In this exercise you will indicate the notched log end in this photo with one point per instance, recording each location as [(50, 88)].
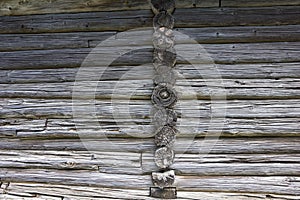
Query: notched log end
[(165, 193)]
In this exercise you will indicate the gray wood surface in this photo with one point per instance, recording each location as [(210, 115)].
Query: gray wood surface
[(21, 191), (14, 7), (142, 163), (43, 149), (124, 20), (274, 184), (242, 145), (213, 35), (270, 71), (196, 88), (219, 53), (255, 3), (53, 118)]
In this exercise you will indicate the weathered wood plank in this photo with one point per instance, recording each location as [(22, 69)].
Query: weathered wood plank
[(121, 162), (20, 109), (243, 34), (14, 7), (187, 90), (124, 20), (133, 163), (282, 184), (10, 42), (219, 53), (240, 71), (268, 145), (258, 3), (53, 118), (259, 184), (39, 191), (289, 33), (193, 164), (188, 127)]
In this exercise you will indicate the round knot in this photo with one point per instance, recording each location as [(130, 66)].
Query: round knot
[(164, 96)]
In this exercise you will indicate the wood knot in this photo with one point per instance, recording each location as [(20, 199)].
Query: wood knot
[(164, 96)]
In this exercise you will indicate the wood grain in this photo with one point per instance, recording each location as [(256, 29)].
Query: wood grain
[(46, 153), (257, 145), (267, 71), (142, 164), (125, 20), (20, 191), (213, 35), (274, 184), (29, 118), (14, 7), (258, 3), (187, 90), (236, 53)]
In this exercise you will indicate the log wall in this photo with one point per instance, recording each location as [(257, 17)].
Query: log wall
[(255, 46)]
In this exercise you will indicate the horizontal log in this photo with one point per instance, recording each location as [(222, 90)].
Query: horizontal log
[(53, 118), (289, 33), (141, 164), (223, 165), (240, 71), (282, 184), (140, 110), (218, 53), (14, 7), (11, 42), (20, 191), (268, 145), (257, 3), (142, 89), (106, 162), (187, 128), (259, 184), (125, 20)]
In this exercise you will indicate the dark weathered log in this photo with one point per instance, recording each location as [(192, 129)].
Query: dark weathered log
[(11, 42), (124, 20), (256, 3), (218, 53), (14, 7), (290, 33)]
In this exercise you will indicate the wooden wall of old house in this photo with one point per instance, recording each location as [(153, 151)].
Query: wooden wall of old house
[(255, 46)]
